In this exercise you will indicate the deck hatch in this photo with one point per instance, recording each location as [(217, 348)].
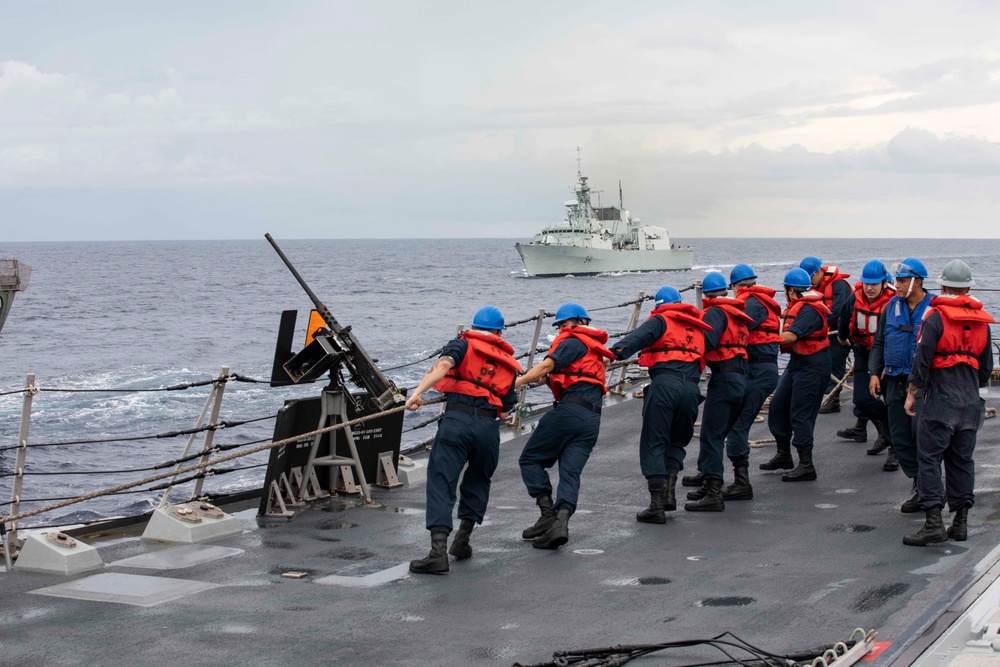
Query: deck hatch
[(134, 589), (176, 558)]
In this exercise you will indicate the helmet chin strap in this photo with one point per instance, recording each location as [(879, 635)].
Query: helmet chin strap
[(909, 288)]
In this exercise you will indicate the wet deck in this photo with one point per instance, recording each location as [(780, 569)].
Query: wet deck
[(798, 566)]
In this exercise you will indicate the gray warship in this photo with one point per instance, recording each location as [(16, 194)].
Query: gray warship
[(592, 240)]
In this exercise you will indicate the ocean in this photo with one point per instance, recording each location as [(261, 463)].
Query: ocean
[(156, 313)]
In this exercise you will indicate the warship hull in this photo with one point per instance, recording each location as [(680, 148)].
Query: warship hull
[(545, 260)]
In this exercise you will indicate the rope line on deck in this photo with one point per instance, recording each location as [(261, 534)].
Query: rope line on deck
[(4, 521), (158, 436)]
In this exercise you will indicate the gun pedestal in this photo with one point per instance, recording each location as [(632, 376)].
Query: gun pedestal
[(333, 402)]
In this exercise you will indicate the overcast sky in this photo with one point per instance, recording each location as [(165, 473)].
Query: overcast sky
[(226, 119)]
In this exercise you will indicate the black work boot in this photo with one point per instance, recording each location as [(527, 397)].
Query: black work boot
[(857, 433), (830, 405), (698, 493), (740, 489), (805, 472), (547, 518), (670, 500), (557, 534), (460, 547), (912, 505), (654, 513), (782, 460), (692, 480), (932, 533), (880, 442), (891, 462), (959, 528), (437, 560), (712, 500)]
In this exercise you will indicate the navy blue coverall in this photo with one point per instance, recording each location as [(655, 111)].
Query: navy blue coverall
[(866, 406), (795, 404), (838, 353), (762, 378), (461, 439), (565, 435), (669, 405), (899, 348), (723, 400), (949, 419)]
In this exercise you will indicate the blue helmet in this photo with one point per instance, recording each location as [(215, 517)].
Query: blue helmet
[(571, 311), (714, 282), (797, 278), (488, 317), (874, 272), (667, 294), (741, 272), (811, 264), (911, 267)]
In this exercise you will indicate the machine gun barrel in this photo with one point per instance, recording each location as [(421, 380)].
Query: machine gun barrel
[(362, 367)]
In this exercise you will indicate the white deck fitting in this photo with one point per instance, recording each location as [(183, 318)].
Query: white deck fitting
[(164, 527), (368, 574), (39, 554), (412, 474), (176, 558), (134, 589)]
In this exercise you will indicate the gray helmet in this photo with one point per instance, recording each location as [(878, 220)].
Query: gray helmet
[(956, 273)]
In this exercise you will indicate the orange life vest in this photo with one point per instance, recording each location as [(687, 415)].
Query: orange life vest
[(864, 323), (768, 330), (589, 367), (733, 341), (488, 369), (965, 325), (684, 339), (817, 340), (831, 274)]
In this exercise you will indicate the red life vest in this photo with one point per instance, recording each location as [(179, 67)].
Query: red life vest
[(733, 341), (488, 369), (864, 323), (817, 340), (965, 325), (684, 339), (589, 367), (831, 274), (768, 330)]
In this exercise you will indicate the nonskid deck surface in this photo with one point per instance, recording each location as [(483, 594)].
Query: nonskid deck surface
[(799, 566)]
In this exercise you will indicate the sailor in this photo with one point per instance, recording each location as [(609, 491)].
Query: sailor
[(575, 366), (833, 285), (792, 415), (726, 355), (954, 358), (476, 372), (672, 344), (889, 365), (762, 373), (858, 324)]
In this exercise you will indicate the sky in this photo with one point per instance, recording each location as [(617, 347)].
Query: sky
[(403, 118)]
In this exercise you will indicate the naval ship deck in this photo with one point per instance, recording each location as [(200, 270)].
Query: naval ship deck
[(799, 566)]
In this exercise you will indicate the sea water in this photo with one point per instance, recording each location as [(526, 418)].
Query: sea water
[(153, 314)]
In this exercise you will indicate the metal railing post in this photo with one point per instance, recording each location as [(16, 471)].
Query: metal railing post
[(218, 389), (539, 318), (629, 329), (187, 447), (22, 451), (698, 298)]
